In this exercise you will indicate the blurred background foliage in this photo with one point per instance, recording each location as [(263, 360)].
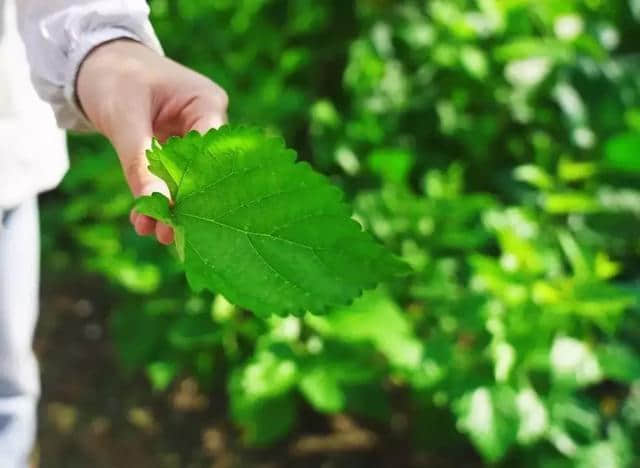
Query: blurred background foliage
[(493, 144)]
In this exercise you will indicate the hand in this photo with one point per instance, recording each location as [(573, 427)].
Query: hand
[(131, 94)]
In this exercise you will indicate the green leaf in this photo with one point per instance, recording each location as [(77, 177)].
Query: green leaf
[(266, 421), (392, 165), (261, 398), (534, 175), (573, 362), (375, 318), (267, 375), (572, 171), (622, 152), (617, 451), (139, 333), (569, 202), (322, 390), (162, 373), (155, 206), (619, 362), (490, 418), (533, 416), (526, 48), (192, 331), (269, 234), (325, 376)]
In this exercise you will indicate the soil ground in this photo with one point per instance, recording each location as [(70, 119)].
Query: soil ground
[(93, 416)]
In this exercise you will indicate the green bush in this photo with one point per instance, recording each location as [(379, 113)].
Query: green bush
[(493, 144)]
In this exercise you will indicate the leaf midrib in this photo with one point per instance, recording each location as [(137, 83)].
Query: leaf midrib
[(248, 235), (253, 233), (213, 184)]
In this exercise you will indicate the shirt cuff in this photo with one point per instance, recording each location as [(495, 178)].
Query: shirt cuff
[(59, 34)]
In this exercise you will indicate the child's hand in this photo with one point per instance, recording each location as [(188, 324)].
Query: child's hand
[(131, 94)]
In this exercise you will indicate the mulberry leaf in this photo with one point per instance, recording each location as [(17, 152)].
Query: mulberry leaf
[(267, 232)]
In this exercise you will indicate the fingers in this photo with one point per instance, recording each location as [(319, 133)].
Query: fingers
[(207, 122), (136, 171), (164, 233), (145, 226), (131, 141), (208, 111)]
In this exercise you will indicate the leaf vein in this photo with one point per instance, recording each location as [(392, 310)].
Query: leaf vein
[(213, 184), (299, 220), (272, 268), (184, 173), (265, 197), (245, 231)]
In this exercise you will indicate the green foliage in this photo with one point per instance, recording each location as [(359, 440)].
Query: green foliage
[(268, 234), (490, 418), (621, 152), (493, 144)]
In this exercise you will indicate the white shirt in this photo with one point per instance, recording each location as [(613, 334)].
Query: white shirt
[(47, 40)]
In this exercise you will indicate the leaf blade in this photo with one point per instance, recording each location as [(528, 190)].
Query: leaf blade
[(268, 233)]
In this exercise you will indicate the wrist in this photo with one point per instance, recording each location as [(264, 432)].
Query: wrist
[(102, 73)]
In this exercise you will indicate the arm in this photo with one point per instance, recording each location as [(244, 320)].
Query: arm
[(100, 66)]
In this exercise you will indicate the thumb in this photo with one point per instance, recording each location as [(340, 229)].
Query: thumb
[(131, 143), (131, 140)]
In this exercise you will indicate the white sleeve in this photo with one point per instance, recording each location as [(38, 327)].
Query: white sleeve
[(58, 35)]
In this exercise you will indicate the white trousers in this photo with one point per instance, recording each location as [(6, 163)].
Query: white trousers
[(19, 378)]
